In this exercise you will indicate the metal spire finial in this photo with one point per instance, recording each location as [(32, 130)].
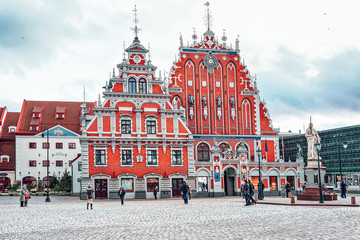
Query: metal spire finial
[(149, 51), (135, 28), (208, 17), (124, 49)]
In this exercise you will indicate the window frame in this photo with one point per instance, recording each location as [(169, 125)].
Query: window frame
[(142, 85), (126, 162), (70, 144), (201, 150), (154, 152), (151, 127), (45, 162), (57, 164), (34, 145), (46, 145), (33, 163), (122, 129), (132, 85), (173, 156), (59, 145), (103, 162)]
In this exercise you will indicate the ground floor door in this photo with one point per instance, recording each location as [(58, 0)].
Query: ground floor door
[(229, 182), (101, 188), (4, 182), (273, 183), (176, 186)]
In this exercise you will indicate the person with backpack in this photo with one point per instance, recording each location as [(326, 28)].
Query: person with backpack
[(185, 191), (89, 196), (121, 194)]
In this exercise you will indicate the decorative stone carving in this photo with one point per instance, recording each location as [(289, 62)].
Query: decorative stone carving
[(218, 103), (191, 100), (204, 102), (312, 137)]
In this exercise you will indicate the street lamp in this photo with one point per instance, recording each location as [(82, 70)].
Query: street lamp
[(318, 148), (44, 128), (260, 190), (345, 145)]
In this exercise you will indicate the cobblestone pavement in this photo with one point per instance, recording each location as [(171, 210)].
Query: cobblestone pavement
[(206, 218)]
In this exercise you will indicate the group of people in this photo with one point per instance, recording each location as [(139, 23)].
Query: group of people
[(247, 192)]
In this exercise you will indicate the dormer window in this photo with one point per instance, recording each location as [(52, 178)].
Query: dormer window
[(4, 158), (12, 129), (36, 113), (60, 112), (34, 128), (132, 85)]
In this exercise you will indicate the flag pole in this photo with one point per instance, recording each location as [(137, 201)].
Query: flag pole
[(282, 146)]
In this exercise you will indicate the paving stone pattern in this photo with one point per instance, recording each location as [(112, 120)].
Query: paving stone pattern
[(207, 218)]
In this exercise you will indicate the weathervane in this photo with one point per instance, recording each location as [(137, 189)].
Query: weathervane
[(135, 28), (208, 17)]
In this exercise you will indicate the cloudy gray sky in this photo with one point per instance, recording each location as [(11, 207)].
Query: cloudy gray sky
[(305, 54)]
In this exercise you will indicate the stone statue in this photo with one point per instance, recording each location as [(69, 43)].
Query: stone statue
[(312, 137), (218, 101), (204, 101), (191, 100), (299, 153), (232, 101)]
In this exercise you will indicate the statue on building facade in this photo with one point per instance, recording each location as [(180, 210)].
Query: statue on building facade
[(191, 100), (232, 102), (312, 137), (204, 101), (218, 102)]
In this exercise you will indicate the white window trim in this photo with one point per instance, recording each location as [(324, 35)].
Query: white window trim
[(127, 177), (132, 157), (126, 117), (106, 160), (150, 135), (5, 156), (182, 157), (12, 128), (157, 157)]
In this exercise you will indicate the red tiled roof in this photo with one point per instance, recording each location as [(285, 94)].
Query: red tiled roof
[(60, 109), (7, 148), (48, 115), (37, 109), (11, 119)]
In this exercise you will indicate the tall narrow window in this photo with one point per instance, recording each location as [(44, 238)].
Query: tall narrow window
[(126, 157), (59, 145), (142, 86), (151, 157), (151, 127), (132, 85), (100, 158), (203, 152), (246, 116), (125, 126)]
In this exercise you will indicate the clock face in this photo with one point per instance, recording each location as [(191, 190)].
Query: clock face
[(210, 61), (137, 59)]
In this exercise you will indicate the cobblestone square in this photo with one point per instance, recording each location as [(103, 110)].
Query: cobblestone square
[(206, 218)]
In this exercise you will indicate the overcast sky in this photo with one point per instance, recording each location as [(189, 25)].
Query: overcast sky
[(305, 54)]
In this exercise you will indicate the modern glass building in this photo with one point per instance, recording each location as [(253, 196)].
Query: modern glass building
[(340, 152)]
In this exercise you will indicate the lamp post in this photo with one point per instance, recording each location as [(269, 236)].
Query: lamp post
[(318, 148), (345, 145), (44, 128), (260, 190)]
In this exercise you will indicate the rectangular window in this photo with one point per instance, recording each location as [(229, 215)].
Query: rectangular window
[(32, 163), (151, 127), (126, 157), (36, 115), (32, 145), (59, 163), (100, 158), (46, 163), (4, 159), (128, 184), (33, 128), (80, 166), (151, 183), (125, 126), (59, 145), (46, 145), (72, 145), (151, 157), (60, 115), (176, 157)]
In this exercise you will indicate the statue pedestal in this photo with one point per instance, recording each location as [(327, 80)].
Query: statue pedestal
[(312, 172), (312, 194)]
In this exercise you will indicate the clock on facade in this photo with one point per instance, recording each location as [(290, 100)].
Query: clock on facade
[(210, 61)]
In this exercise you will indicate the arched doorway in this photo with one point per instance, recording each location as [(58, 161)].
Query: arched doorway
[(29, 181), (4, 182), (229, 182)]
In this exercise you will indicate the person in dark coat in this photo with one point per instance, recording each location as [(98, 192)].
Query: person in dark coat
[(185, 191), (89, 196), (121, 194), (288, 189), (155, 192), (343, 186), (251, 194), (247, 193)]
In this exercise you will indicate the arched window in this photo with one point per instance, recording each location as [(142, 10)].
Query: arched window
[(142, 85), (203, 152), (224, 146), (246, 116), (132, 85)]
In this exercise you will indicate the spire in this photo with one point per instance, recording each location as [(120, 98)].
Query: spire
[(99, 100), (149, 52), (124, 51), (135, 28), (208, 20)]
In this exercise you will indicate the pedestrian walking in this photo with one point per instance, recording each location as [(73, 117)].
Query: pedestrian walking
[(343, 186), (121, 194), (242, 189), (288, 189), (246, 193), (89, 196), (251, 195), (304, 186), (189, 192), (155, 192), (24, 196), (185, 191)]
